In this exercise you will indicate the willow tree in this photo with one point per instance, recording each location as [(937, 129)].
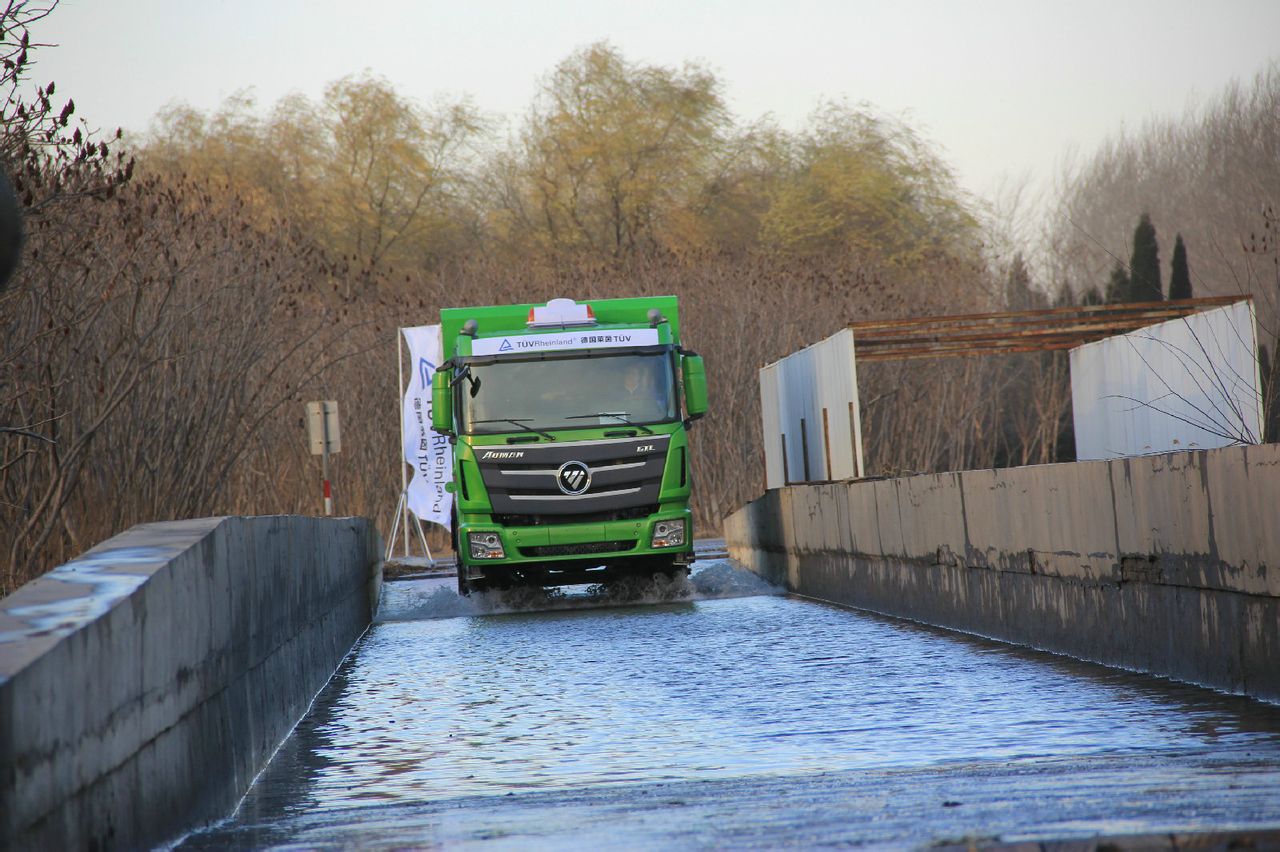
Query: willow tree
[(390, 169), (613, 155), (225, 147), (369, 174), (860, 181)]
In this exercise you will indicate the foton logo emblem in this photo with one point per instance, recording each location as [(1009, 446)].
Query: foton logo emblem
[(502, 454), (573, 477)]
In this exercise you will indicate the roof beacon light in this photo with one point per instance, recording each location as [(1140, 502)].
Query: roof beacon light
[(560, 313)]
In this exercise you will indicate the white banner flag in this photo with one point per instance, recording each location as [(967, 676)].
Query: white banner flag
[(428, 453)]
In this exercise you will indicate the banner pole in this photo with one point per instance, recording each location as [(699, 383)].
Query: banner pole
[(422, 537), (404, 477), (395, 528)]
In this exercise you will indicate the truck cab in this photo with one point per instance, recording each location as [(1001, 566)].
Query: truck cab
[(570, 426)]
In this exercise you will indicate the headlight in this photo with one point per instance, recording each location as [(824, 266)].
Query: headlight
[(668, 533), (485, 545)]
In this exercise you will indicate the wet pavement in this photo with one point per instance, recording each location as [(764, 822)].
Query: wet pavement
[(723, 713)]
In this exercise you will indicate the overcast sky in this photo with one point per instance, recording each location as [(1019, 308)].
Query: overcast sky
[(1001, 88)]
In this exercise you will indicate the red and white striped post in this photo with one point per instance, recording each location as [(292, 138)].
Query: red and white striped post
[(324, 464)]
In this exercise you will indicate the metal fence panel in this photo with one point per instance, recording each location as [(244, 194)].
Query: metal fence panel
[(810, 414), (1186, 384), (774, 472)]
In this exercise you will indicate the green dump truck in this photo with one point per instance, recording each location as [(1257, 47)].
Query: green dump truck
[(570, 424)]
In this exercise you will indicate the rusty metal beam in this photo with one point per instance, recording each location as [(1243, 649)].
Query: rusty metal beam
[(1181, 306), (1008, 332), (1009, 328), (1076, 330)]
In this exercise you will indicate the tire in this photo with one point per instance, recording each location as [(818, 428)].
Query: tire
[(453, 534), (467, 588), (464, 588)]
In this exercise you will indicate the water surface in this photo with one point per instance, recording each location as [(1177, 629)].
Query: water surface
[(596, 697)]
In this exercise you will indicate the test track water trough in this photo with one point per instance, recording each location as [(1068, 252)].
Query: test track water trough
[(145, 684)]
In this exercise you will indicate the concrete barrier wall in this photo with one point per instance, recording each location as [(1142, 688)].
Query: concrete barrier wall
[(1166, 564), (145, 684)]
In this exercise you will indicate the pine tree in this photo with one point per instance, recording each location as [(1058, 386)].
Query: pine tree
[(1118, 286), (1144, 266), (1180, 273), (1018, 293), (1270, 405)]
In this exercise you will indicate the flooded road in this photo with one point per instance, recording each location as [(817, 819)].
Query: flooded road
[(727, 714)]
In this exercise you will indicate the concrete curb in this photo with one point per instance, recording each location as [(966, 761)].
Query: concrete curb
[(144, 684), (1165, 564)]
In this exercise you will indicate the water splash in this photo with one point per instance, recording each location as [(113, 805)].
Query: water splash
[(724, 579), (425, 600)]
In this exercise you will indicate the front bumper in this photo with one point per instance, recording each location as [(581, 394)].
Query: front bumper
[(584, 543)]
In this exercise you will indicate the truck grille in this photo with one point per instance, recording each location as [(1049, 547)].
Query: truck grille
[(523, 482), (583, 549), (634, 513)]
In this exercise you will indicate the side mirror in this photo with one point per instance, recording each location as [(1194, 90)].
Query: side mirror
[(695, 386), (442, 402)]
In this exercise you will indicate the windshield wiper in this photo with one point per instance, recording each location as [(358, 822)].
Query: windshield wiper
[(621, 417), (522, 424)]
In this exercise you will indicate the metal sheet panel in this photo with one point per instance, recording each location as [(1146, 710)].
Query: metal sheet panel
[(1185, 384), (774, 473), (809, 404)]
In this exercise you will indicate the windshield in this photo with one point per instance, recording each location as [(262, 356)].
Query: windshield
[(608, 390)]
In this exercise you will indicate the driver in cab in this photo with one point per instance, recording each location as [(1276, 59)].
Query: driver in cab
[(639, 397)]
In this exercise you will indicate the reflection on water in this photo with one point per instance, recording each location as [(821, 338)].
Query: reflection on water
[(443, 707)]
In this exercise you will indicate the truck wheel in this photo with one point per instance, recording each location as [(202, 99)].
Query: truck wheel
[(464, 589), (453, 534), (663, 566)]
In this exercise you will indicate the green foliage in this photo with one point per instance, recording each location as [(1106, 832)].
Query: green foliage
[(1144, 266), (1180, 273)]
